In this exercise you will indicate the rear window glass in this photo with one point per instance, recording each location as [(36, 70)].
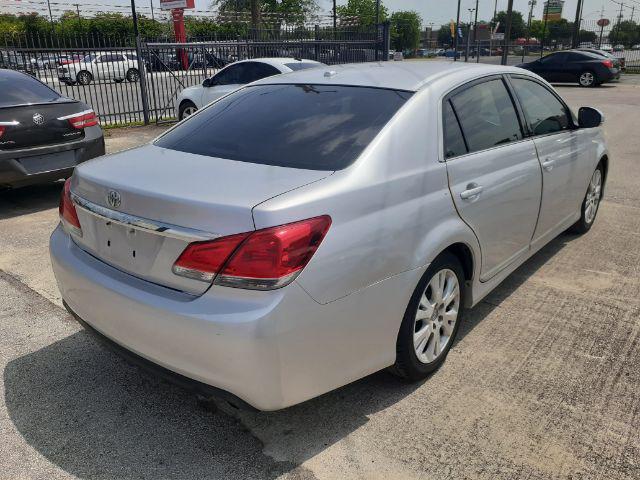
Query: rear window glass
[(302, 65), (18, 89), (317, 127)]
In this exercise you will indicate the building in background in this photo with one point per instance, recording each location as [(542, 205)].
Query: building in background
[(552, 10)]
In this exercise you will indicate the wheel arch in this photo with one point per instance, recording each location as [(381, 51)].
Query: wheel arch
[(604, 161), (465, 255)]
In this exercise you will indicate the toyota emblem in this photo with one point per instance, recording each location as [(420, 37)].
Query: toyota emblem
[(38, 119), (113, 199)]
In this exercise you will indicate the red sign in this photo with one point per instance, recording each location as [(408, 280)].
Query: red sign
[(604, 22), (170, 4)]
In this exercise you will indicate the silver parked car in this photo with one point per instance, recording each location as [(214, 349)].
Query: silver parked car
[(314, 227)]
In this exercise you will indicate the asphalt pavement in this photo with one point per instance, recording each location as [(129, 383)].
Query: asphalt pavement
[(542, 382)]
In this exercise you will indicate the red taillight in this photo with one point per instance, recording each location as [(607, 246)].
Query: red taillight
[(2, 129), (82, 121), (264, 259), (67, 210), (608, 63)]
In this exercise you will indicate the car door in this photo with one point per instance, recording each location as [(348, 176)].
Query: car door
[(494, 174), (560, 147), (104, 66), (575, 65), (551, 67)]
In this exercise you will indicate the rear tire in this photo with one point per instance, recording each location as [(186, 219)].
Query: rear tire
[(431, 321), (187, 108), (133, 75), (588, 79), (591, 203), (84, 78)]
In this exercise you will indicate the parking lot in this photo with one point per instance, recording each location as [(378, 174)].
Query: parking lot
[(542, 383)]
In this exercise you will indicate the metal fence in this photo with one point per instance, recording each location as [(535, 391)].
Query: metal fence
[(128, 83)]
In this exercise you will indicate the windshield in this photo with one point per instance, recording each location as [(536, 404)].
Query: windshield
[(317, 127)]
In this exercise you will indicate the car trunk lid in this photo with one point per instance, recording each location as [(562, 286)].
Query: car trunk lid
[(178, 198), (36, 125)]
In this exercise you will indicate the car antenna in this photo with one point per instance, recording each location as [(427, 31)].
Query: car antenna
[(297, 58)]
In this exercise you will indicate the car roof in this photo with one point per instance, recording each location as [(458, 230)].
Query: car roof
[(407, 75), (279, 61)]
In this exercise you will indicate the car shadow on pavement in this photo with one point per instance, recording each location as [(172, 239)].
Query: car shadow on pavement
[(26, 200), (94, 416)]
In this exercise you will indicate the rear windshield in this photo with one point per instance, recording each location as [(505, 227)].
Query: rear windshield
[(302, 65), (317, 127), (18, 89)]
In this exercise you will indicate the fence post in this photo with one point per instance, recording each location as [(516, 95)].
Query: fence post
[(386, 40), (141, 69), (317, 49)]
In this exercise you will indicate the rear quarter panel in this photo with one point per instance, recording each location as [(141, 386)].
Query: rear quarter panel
[(391, 210)]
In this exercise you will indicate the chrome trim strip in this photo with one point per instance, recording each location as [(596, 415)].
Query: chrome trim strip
[(84, 112), (139, 223), (9, 124)]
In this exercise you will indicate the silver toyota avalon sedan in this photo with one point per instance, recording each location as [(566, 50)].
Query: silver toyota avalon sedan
[(312, 228)]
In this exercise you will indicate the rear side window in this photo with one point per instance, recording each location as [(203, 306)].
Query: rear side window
[(302, 65), (19, 89), (487, 115), (544, 113), (317, 127), (255, 71), (453, 140)]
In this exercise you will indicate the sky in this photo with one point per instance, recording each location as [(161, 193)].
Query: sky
[(436, 11)]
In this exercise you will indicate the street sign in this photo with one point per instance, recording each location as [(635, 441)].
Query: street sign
[(171, 4), (604, 22), (497, 36)]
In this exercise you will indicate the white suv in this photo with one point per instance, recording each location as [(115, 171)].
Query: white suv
[(103, 65)]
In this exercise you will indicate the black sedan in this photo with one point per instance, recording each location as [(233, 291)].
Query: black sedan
[(43, 135), (588, 69)]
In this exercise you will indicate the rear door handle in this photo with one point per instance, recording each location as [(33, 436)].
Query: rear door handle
[(473, 190), (548, 164)]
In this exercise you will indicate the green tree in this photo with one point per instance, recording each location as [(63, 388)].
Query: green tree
[(518, 26), (291, 11), (363, 10), (405, 30)]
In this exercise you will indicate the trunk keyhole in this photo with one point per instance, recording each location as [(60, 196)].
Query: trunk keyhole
[(134, 254)]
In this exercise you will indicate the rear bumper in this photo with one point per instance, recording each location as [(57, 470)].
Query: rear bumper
[(271, 349), (14, 164)]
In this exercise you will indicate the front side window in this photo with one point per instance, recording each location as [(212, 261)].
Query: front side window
[(316, 127), (487, 115), (544, 113), (231, 75)]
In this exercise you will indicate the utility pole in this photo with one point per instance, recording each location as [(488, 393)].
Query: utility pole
[(77, 9), (335, 20), (377, 12), (50, 15), (141, 71), (617, 29), (152, 15), (633, 10), (475, 34), (507, 33), (455, 36), (575, 38), (601, 27)]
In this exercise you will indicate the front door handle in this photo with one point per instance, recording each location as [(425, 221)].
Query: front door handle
[(548, 164), (472, 191)]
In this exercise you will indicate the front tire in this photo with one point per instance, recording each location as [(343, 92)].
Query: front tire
[(591, 203), (187, 109), (431, 321), (587, 79)]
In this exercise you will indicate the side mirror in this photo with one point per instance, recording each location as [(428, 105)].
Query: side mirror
[(208, 82), (590, 117)]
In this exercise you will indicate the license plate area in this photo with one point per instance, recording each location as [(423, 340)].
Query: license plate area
[(131, 249), (49, 163)]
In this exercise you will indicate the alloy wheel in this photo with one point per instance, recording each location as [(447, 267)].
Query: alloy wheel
[(436, 316), (592, 200), (587, 79), (188, 111)]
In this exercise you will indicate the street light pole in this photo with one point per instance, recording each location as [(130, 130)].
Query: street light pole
[(575, 39), (455, 35), (466, 55), (475, 34), (544, 29)]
